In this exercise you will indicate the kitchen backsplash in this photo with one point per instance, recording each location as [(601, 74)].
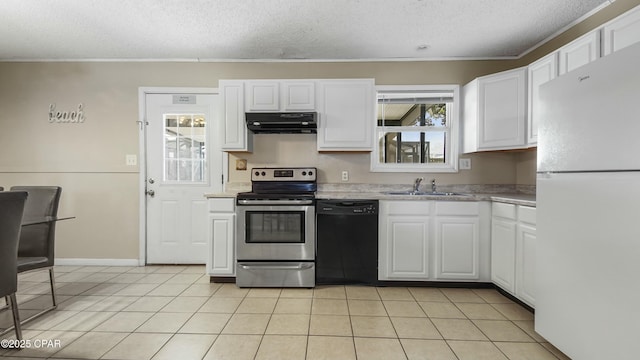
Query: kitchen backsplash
[(300, 150)]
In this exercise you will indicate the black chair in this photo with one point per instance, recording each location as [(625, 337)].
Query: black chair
[(11, 209), (36, 249)]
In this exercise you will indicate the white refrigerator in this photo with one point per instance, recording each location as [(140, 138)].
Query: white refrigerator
[(588, 210)]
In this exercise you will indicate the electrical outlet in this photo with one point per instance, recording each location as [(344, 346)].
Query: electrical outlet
[(345, 176), (465, 164), (131, 160)]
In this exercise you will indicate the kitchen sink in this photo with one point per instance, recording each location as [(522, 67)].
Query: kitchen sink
[(424, 193)]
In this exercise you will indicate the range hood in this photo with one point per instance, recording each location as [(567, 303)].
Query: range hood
[(282, 123)]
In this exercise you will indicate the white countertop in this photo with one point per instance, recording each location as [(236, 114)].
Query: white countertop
[(510, 198), (517, 199)]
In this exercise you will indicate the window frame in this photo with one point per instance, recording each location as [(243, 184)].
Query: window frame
[(451, 131)]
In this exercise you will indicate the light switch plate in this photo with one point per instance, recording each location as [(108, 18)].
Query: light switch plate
[(465, 164)]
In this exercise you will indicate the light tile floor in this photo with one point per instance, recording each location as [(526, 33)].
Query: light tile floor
[(173, 312)]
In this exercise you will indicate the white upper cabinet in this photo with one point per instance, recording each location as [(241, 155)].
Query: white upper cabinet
[(622, 32), (262, 95), (280, 95), (234, 133), (495, 111), (298, 95), (539, 72), (346, 115), (345, 109), (580, 52)]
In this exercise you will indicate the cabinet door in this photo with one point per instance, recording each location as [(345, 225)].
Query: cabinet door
[(503, 253), (405, 248), (346, 110), (526, 263), (221, 259), (502, 110), (234, 133), (540, 72), (457, 247), (263, 95), (298, 95), (580, 52), (622, 32)]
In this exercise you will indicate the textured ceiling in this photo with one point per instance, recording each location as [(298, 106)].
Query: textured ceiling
[(280, 29)]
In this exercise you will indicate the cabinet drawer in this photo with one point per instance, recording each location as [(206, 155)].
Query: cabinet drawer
[(527, 214), (457, 208), (222, 205), (407, 207), (504, 210)]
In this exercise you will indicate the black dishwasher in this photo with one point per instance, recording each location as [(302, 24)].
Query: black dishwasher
[(347, 242)]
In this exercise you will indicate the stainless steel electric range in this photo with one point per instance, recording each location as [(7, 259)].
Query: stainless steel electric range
[(276, 233)]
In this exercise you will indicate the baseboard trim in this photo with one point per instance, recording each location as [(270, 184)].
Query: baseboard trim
[(96, 262)]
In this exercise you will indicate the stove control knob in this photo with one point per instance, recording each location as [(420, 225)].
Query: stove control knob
[(263, 173), (310, 173), (257, 173), (304, 173)]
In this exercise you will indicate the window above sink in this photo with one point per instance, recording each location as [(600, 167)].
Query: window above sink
[(416, 129)]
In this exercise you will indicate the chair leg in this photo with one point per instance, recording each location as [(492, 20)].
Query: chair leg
[(6, 300), (53, 299), (53, 287), (16, 316)]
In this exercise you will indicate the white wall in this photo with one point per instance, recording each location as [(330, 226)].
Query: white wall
[(88, 159)]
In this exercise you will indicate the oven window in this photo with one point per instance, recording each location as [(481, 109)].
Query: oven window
[(275, 227)]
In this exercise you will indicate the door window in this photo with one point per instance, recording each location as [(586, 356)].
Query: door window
[(184, 148)]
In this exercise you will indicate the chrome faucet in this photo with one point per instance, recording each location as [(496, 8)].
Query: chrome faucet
[(433, 185), (416, 184)]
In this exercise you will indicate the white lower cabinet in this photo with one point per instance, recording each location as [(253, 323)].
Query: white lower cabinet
[(222, 223), (513, 250), (404, 228), (526, 263), (457, 242), (503, 253), (434, 240)]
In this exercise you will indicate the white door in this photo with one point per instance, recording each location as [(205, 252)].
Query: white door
[(184, 161)]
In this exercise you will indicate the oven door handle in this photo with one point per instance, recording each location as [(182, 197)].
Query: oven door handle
[(274, 202), (277, 267)]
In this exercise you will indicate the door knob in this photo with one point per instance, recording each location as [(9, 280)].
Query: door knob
[(151, 193), (151, 181)]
